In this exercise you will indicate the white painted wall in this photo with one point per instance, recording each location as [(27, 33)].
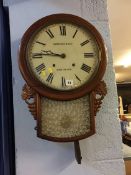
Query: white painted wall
[(101, 152)]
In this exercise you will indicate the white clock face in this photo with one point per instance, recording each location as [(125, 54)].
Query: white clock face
[(63, 56)]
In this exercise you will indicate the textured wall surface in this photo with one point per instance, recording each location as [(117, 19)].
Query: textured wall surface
[(101, 152)]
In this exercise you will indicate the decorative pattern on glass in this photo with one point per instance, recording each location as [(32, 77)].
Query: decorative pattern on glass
[(67, 124)]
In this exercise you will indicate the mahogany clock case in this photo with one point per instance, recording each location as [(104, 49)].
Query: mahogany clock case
[(95, 89), (43, 90)]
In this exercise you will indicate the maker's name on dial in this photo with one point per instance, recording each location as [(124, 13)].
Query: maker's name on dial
[(64, 69), (65, 44)]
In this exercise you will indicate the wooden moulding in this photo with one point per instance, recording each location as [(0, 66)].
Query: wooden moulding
[(96, 97)]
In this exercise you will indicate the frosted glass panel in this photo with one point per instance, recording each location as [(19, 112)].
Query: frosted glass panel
[(59, 119)]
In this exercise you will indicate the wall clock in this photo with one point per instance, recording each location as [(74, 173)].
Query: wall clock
[(62, 58)]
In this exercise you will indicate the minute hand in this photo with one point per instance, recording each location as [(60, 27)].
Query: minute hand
[(50, 53)]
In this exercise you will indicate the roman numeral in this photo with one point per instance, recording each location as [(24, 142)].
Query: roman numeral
[(63, 81), (86, 68), (36, 55), (40, 43), (63, 30), (75, 34), (77, 77), (40, 68), (85, 42), (88, 55), (50, 78), (50, 33)]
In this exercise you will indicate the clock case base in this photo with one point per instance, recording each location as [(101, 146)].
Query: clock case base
[(33, 100)]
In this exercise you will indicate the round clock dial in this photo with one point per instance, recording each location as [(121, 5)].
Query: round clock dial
[(63, 56)]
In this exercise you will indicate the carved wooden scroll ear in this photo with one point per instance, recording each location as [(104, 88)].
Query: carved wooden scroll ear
[(98, 95), (29, 95)]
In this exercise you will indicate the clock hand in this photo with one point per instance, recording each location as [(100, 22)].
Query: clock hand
[(49, 52), (39, 55)]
